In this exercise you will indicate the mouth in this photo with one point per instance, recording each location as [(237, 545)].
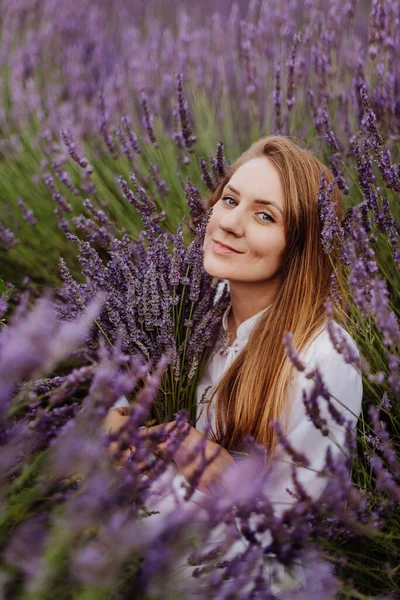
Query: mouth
[(220, 248)]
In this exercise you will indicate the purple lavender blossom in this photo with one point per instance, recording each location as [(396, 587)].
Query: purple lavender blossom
[(71, 147), (291, 352), (338, 339), (7, 237), (127, 123), (27, 213), (187, 132), (206, 177), (290, 92), (277, 100), (148, 118), (310, 401), (104, 127), (330, 226)]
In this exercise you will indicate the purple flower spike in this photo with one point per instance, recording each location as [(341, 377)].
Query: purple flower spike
[(127, 122), (71, 147), (148, 118), (220, 160), (104, 128), (27, 213), (338, 339), (187, 131), (195, 202), (291, 352), (330, 226), (205, 175), (290, 94), (369, 120), (311, 403), (7, 237), (298, 457), (277, 100)]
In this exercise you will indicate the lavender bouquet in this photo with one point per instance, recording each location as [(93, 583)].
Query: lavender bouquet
[(158, 302)]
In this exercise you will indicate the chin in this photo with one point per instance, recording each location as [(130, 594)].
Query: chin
[(213, 269)]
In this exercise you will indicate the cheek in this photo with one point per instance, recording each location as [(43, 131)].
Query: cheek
[(271, 248), (211, 225)]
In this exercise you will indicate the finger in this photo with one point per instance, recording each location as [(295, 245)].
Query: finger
[(204, 489)]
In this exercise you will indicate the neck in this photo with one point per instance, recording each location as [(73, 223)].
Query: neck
[(249, 299)]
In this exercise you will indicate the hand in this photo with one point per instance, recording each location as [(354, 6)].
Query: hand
[(114, 421), (212, 476)]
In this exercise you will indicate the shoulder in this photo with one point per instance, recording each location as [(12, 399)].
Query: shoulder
[(321, 345)]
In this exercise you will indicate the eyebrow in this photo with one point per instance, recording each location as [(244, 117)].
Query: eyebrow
[(257, 201)]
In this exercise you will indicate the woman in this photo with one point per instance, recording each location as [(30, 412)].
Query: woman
[(264, 239)]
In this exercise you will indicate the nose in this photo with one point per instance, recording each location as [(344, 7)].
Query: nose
[(232, 222)]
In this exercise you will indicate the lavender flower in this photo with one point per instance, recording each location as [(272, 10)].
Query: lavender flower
[(27, 213), (64, 177), (330, 226), (277, 100), (298, 458), (187, 132), (104, 127), (206, 177), (291, 352), (220, 160), (338, 339), (310, 401), (195, 203), (131, 135), (7, 238), (290, 93), (70, 145), (148, 118)]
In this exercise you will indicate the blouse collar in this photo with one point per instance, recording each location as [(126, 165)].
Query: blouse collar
[(245, 328)]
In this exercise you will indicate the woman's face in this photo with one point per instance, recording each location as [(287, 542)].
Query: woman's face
[(249, 218)]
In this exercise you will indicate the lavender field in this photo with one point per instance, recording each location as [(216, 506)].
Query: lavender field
[(117, 121)]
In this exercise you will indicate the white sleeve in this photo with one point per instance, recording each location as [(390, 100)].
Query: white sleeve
[(344, 382), (122, 401)]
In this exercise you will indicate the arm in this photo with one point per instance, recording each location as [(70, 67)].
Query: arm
[(115, 419), (183, 458), (218, 459), (197, 452)]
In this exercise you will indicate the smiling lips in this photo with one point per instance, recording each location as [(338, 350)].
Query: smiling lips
[(222, 249)]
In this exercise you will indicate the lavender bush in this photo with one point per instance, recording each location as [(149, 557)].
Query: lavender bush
[(114, 123)]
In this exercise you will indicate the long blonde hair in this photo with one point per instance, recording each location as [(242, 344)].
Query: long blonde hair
[(252, 391)]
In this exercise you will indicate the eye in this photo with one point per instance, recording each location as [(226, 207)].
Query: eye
[(269, 219), (226, 198)]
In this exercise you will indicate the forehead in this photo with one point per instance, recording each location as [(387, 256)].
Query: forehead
[(258, 179)]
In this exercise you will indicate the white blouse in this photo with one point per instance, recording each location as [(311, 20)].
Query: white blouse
[(342, 380)]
